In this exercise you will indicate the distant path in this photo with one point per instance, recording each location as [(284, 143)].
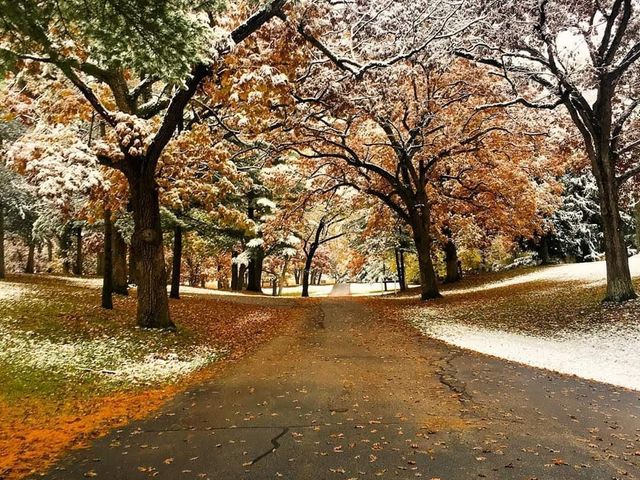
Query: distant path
[(354, 396)]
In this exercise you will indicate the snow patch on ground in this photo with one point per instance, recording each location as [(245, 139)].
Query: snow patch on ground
[(606, 353), (11, 291), (591, 273), (121, 359)]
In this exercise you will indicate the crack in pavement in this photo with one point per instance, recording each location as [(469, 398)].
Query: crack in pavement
[(447, 376), (275, 443)]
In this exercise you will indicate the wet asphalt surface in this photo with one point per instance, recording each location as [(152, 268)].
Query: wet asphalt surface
[(348, 395)]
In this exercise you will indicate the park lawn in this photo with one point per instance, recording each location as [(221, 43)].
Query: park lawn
[(71, 371), (545, 319)]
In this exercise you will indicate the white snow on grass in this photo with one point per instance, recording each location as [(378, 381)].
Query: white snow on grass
[(10, 291), (122, 359), (607, 353), (591, 273)]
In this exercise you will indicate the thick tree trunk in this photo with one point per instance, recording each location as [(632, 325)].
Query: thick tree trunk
[(3, 272), (107, 255), (148, 251), (255, 272), (77, 267), (30, 267), (619, 285), (120, 280), (177, 262), (131, 271), (423, 241), (49, 251), (100, 263), (451, 261)]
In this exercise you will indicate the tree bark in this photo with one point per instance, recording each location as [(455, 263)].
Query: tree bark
[(107, 274), (636, 215), (306, 273), (283, 276), (255, 272), (451, 261), (242, 273), (3, 272), (619, 285), (131, 271), (545, 257), (30, 266), (235, 277), (147, 248), (100, 263), (402, 280), (177, 262), (119, 246), (423, 241)]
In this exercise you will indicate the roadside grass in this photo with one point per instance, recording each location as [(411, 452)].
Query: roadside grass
[(70, 370)]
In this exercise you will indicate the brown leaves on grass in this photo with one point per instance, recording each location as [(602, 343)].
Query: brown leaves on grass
[(37, 430)]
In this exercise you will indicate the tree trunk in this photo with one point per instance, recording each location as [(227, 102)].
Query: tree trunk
[(619, 285), (107, 274), (283, 276), (3, 272), (148, 251), (545, 257), (49, 251), (296, 276), (65, 247), (255, 272), (274, 286), (31, 264), (77, 268), (636, 215), (235, 277), (242, 273), (100, 263), (177, 262), (451, 260), (131, 271), (402, 280), (423, 241), (120, 281), (319, 278), (307, 272)]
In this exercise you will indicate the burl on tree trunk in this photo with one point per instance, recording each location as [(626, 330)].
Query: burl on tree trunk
[(147, 248)]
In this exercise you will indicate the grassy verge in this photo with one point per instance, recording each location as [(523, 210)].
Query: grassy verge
[(70, 371)]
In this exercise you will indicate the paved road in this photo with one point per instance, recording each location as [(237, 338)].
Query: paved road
[(350, 395)]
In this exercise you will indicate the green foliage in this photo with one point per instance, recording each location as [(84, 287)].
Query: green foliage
[(158, 37)]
